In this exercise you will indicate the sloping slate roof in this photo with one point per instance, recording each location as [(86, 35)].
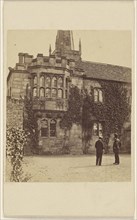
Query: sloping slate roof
[(105, 71)]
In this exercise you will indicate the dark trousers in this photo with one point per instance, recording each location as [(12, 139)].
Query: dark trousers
[(117, 157), (98, 159)]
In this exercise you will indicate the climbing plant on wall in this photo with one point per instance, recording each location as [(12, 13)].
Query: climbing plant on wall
[(16, 139), (87, 120), (30, 123), (73, 114), (113, 111)]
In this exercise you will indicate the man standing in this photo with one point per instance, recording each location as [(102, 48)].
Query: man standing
[(116, 148), (99, 151)]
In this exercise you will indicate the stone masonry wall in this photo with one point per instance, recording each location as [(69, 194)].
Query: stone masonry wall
[(55, 145), (14, 113), (17, 84), (76, 139)]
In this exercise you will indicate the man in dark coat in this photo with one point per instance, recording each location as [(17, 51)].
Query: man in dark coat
[(116, 148), (99, 151)]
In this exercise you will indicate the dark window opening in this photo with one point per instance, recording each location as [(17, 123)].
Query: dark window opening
[(44, 132), (53, 128)]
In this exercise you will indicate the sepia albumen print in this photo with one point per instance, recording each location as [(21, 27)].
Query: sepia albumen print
[(69, 106)]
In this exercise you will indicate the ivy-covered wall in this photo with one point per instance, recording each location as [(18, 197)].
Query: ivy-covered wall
[(74, 132), (114, 113), (14, 116)]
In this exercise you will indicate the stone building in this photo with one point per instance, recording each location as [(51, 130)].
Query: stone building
[(49, 79)]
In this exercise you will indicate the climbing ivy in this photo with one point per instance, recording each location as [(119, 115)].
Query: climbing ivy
[(82, 109), (87, 122), (112, 112), (73, 114), (16, 140), (30, 123)]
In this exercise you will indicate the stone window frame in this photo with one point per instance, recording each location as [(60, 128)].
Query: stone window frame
[(35, 77), (44, 127), (34, 84), (55, 89), (48, 85), (99, 126), (41, 88), (55, 128), (62, 93), (48, 88), (53, 85), (34, 88), (40, 82), (60, 77), (97, 97), (48, 121)]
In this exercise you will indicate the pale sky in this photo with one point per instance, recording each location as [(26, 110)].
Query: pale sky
[(112, 47)]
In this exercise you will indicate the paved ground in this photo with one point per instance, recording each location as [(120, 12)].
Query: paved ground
[(75, 169)]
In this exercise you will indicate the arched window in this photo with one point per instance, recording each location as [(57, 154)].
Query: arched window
[(48, 93), (54, 93), (42, 81), (98, 129), (60, 93), (60, 82), (98, 95), (95, 129), (42, 92), (35, 80), (44, 128), (52, 128), (95, 95), (54, 82), (48, 81), (34, 92)]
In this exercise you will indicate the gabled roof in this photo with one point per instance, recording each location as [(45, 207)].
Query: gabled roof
[(105, 71)]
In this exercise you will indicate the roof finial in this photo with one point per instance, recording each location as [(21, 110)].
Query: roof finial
[(50, 50), (80, 46)]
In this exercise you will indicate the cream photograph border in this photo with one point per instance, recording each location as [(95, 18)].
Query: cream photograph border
[(69, 199)]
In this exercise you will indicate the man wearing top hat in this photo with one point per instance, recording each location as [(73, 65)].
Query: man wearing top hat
[(99, 151), (116, 148)]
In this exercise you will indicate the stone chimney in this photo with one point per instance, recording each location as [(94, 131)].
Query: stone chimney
[(27, 58), (40, 59), (21, 58)]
